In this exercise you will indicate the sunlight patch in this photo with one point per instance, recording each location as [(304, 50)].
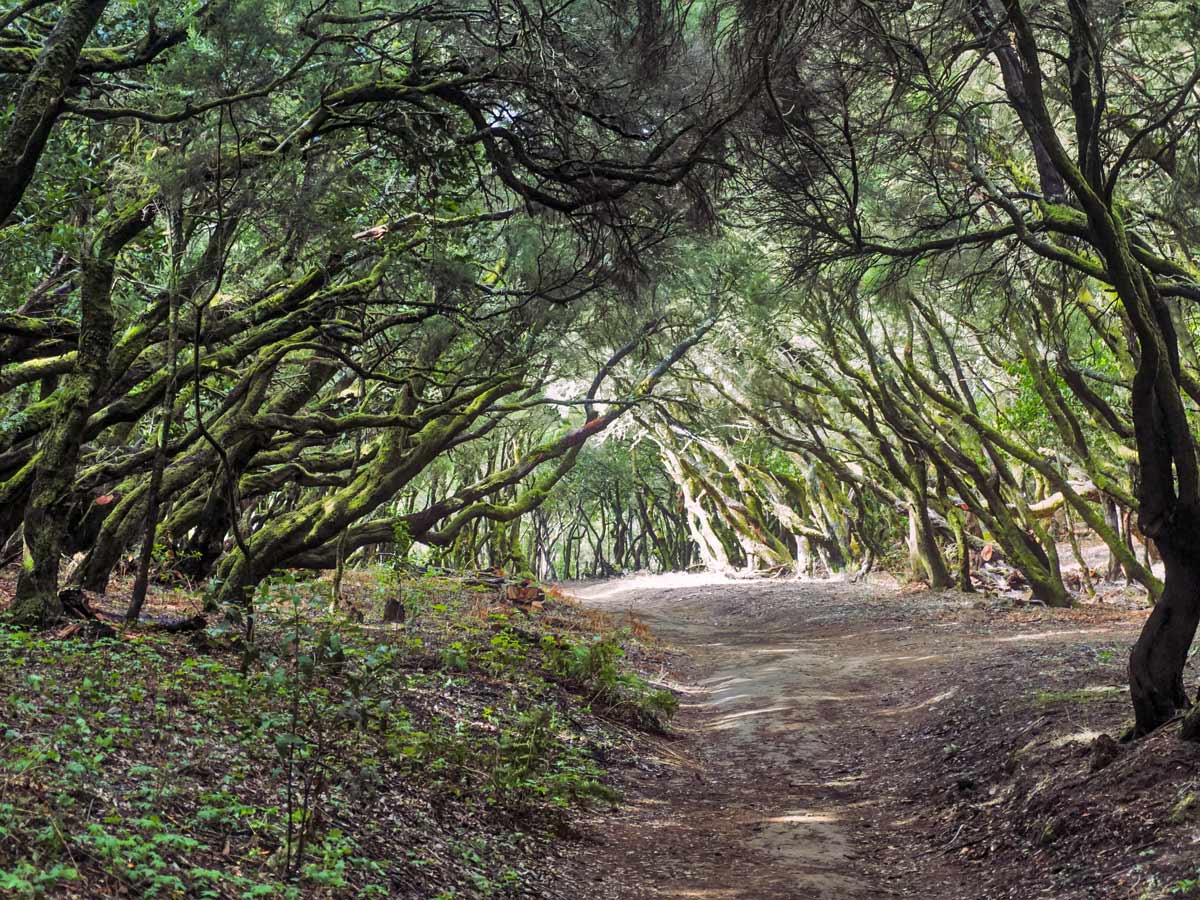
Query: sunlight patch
[(1079, 737), (730, 719), (1043, 635), (801, 817)]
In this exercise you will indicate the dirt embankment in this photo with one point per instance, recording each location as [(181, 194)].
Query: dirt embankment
[(852, 741)]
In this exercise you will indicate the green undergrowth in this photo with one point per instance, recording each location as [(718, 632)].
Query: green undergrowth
[(328, 759)]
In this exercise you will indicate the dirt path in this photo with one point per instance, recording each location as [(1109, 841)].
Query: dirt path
[(799, 699)]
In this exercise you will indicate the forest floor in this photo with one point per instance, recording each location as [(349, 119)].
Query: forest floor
[(833, 740), (849, 741), (445, 758)]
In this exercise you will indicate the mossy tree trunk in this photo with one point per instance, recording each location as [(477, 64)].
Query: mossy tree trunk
[(924, 553), (36, 601)]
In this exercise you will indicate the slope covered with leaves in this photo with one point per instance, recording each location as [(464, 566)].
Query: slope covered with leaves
[(443, 759)]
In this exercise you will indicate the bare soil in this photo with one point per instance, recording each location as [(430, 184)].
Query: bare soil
[(851, 741)]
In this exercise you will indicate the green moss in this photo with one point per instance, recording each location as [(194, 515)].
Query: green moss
[(1083, 695), (1184, 810)]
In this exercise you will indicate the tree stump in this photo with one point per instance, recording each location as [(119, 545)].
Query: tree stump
[(393, 611)]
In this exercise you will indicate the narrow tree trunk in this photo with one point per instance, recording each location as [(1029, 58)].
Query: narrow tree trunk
[(393, 611), (1127, 536), (339, 569), (923, 545), (1085, 576), (142, 580), (1112, 518), (924, 555), (961, 550), (1043, 573)]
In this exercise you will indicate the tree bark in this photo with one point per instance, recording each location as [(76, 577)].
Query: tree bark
[(923, 547), (1157, 660), (962, 551)]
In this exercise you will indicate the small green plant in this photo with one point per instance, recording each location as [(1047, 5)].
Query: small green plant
[(235, 775), (28, 880), (505, 652), (455, 655), (595, 666), (1185, 887), (531, 765)]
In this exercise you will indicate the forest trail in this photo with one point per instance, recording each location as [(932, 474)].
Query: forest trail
[(791, 775)]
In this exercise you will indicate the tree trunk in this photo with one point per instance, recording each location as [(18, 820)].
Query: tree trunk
[(1112, 518), (1157, 660), (163, 437), (962, 551), (1043, 573), (924, 555), (393, 611), (36, 601), (922, 542)]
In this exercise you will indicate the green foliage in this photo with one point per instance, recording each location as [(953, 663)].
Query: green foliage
[(402, 540), (28, 880), (594, 665), (1026, 413), (1185, 887), (213, 773)]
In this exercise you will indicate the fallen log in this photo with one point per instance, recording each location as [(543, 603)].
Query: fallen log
[(488, 578), (1044, 509), (519, 592), (175, 626), (524, 594), (82, 620)]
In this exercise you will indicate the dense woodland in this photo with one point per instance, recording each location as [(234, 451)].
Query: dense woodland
[(580, 289)]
